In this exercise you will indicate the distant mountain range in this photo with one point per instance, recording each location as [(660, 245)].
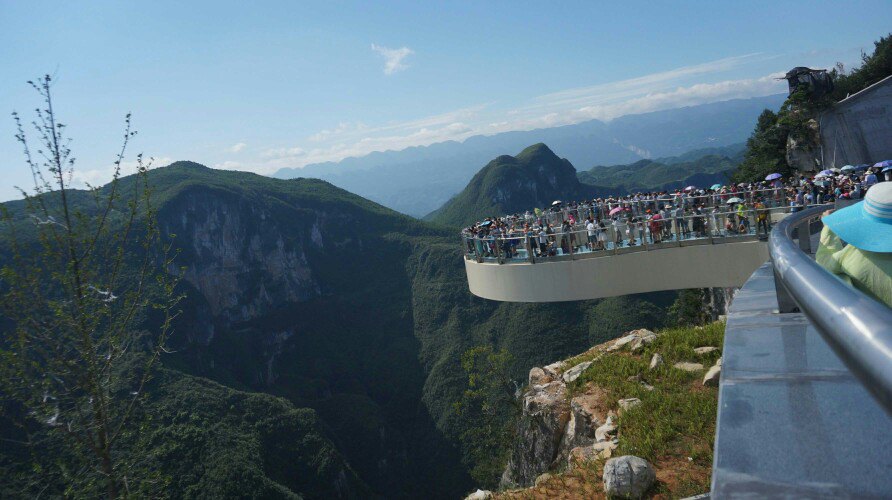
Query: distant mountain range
[(701, 168), (418, 180)]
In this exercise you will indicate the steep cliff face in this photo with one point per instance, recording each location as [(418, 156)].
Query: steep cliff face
[(299, 289), (239, 257)]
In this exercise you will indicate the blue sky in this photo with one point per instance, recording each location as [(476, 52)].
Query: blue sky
[(263, 85)]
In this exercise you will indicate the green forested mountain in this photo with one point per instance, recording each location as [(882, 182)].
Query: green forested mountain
[(701, 168), (509, 184), (354, 317), (536, 177)]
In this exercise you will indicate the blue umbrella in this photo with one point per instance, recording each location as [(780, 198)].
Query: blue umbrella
[(863, 166), (886, 170), (884, 164), (826, 172), (773, 176), (716, 186)]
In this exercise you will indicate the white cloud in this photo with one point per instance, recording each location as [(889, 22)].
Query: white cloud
[(684, 86), (276, 153), (393, 58), (235, 148)]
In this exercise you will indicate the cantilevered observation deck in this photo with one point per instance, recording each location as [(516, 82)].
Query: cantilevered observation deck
[(674, 254)]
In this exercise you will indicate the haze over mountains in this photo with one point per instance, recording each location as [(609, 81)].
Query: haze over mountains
[(418, 180)]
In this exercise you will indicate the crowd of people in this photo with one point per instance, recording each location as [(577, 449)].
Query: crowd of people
[(654, 217)]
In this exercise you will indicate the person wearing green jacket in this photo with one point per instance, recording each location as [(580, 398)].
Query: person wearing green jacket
[(856, 244)]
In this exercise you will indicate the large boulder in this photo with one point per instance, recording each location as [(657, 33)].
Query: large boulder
[(539, 377), (628, 477), (479, 495), (629, 403), (689, 367), (554, 370), (622, 342), (574, 373), (544, 417), (712, 376), (656, 361), (702, 351), (645, 337)]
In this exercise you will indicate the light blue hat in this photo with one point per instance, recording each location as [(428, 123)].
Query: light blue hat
[(866, 225)]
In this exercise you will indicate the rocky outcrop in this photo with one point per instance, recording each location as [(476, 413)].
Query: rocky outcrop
[(546, 413), (717, 302), (804, 150), (628, 477), (553, 431)]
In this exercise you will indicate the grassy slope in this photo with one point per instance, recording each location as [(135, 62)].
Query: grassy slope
[(673, 427)]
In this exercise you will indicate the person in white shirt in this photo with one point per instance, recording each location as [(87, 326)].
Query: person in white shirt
[(592, 234)]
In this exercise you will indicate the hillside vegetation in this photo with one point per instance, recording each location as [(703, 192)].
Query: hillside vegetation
[(701, 168), (510, 184), (354, 316), (672, 427)]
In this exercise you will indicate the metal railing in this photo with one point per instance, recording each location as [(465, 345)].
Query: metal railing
[(857, 327), (624, 237)]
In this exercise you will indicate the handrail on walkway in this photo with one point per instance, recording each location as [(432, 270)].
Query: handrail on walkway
[(857, 327)]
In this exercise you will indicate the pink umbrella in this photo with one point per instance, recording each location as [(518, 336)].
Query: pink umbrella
[(616, 210)]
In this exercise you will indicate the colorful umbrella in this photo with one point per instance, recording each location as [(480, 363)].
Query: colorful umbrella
[(773, 176)]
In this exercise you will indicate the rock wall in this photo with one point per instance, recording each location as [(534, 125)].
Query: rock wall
[(719, 301), (858, 129)]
